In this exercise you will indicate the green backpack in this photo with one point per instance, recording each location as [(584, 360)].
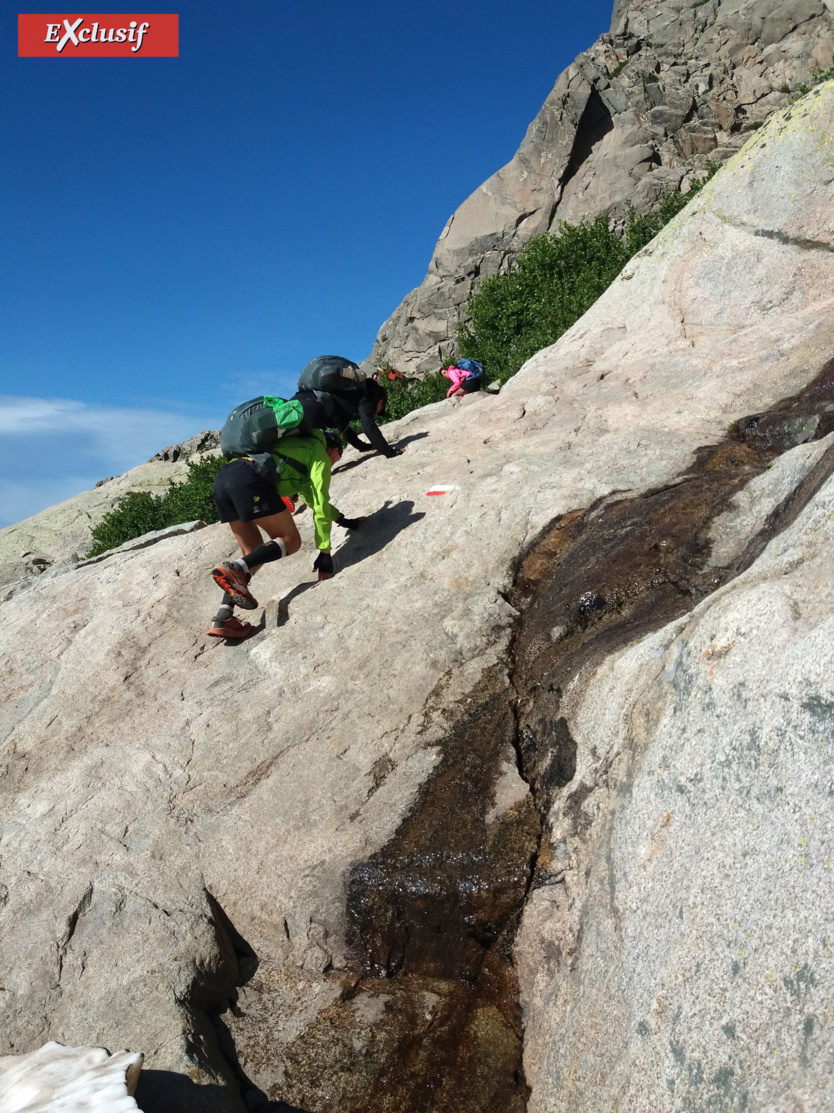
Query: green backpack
[(252, 428)]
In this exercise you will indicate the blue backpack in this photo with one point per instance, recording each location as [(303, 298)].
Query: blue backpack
[(475, 369)]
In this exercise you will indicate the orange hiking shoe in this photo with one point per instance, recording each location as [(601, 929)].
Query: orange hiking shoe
[(230, 628), (234, 583)]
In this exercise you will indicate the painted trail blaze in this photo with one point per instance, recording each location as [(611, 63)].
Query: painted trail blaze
[(98, 36)]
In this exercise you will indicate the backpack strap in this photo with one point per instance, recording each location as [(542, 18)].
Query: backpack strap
[(302, 469)]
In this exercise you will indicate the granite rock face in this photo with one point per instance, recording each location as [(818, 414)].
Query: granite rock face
[(207, 441), (189, 825), (673, 84)]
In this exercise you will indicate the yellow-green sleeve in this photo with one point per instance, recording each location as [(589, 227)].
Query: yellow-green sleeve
[(316, 493)]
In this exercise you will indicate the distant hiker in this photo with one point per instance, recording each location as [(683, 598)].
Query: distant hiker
[(249, 496), (466, 376), (334, 392), (389, 374)]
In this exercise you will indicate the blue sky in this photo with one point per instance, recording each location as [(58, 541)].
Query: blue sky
[(179, 234)]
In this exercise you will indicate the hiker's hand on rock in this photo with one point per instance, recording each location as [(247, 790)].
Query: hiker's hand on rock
[(350, 523), (324, 566)]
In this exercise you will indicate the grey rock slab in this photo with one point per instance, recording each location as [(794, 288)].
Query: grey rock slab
[(157, 784)]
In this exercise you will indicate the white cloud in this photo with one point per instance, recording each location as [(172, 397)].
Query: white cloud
[(53, 448)]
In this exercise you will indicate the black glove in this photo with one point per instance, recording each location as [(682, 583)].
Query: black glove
[(395, 452), (324, 566), (349, 523)]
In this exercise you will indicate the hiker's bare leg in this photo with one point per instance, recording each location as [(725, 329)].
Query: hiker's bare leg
[(279, 526)]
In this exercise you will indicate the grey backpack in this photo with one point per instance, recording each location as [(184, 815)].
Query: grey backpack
[(253, 428), (331, 375)]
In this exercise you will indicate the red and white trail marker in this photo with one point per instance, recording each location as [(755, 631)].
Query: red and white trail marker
[(439, 489)]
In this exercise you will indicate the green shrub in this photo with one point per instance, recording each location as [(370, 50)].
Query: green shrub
[(140, 512), (405, 395), (134, 514), (191, 500), (555, 279)]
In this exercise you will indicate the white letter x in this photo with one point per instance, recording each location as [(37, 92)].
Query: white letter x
[(70, 33)]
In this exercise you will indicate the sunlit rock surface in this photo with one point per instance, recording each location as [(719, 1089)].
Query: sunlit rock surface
[(672, 85), (189, 828), (57, 1079)]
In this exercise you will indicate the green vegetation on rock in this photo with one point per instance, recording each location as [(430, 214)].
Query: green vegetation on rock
[(405, 395), (818, 77), (554, 280), (141, 512)]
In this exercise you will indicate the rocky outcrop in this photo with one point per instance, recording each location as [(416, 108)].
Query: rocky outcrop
[(207, 441), (670, 86), (291, 870)]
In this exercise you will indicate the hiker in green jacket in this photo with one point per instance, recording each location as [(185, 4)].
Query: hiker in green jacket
[(249, 499)]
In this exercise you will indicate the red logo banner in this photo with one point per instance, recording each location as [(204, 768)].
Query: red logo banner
[(98, 36)]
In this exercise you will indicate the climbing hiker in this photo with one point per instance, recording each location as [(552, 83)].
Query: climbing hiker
[(466, 377), (249, 496), (334, 392)]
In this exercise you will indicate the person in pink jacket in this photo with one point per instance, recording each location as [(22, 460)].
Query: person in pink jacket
[(458, 377)]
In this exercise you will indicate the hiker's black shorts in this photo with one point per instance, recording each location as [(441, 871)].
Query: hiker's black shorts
[(470, 385), (243, 492)]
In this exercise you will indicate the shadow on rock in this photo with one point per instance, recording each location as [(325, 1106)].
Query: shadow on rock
[(380, 528), (367, 455), (254, 1099), (407, 440), (282, 610), (160, 1091)]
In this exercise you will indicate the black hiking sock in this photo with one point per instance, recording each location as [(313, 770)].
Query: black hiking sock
[(224, 611), (264, 554)]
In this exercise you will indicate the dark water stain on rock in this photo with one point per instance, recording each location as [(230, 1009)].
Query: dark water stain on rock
[(606, 576), (428, 1020), (441, 902)]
